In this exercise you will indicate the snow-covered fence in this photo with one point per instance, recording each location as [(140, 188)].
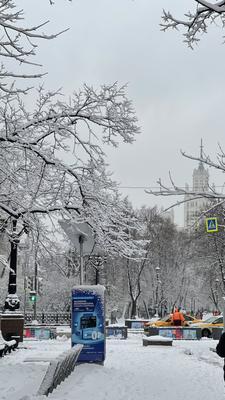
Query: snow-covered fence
[(48, 318), (59, 369)]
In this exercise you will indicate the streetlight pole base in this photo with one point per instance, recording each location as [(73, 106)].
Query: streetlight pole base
[(12, 325)]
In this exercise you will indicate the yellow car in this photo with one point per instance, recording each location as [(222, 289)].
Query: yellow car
[(167, 321), (207, 325)]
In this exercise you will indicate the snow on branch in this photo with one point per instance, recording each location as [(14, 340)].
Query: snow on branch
[(52, 161), (196, 22), (18, 43), (174, 190)]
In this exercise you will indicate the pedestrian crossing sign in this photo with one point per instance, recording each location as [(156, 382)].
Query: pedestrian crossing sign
[(211, 224)]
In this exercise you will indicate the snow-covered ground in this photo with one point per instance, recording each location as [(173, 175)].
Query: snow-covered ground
[(187, 370)]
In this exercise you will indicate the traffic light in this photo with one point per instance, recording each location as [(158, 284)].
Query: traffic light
[(32, 296), (40, 286)]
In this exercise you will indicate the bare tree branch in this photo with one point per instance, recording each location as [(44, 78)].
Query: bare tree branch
[(196, 22), (19, 43)]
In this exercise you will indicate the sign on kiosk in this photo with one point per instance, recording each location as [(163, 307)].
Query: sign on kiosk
[(88, 322)]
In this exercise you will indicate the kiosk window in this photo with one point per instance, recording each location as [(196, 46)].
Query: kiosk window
[(87, 322)]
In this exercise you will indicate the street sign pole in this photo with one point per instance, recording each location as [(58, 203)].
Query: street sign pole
[(81, 241)]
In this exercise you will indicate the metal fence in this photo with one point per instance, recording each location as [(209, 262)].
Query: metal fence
[(48, 318), (59, 369)]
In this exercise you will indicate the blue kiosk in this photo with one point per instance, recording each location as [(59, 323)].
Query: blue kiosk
[(88, 322)]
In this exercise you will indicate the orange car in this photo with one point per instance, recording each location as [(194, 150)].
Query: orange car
[(167, 321)]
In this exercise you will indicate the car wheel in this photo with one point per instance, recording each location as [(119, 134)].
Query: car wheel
[(206, 333)]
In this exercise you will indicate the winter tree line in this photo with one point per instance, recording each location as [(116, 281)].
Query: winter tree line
[(178, 268), (53, 167)]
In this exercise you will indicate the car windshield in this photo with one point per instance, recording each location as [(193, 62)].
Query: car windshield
[(188, 317), (218, 321), (165, 319), (209, 320)]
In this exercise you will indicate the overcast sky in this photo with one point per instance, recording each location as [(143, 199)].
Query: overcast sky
[(178, 94)]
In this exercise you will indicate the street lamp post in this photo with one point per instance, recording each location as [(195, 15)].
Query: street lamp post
[(157, 270), (216, 292), (12, 302), (81, 242), (97, 262), (12, 321)]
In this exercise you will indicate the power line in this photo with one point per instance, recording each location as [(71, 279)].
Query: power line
[(157, 187), (138, 187)]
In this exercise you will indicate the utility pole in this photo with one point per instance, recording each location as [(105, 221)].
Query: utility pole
[(157, 270)]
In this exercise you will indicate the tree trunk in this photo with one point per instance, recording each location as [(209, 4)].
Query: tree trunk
[(133, 308)]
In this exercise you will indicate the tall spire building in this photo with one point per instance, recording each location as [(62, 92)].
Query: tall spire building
[(200, 183)]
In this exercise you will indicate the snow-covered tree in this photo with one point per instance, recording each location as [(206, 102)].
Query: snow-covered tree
[(210, 250), (147, 284), (52, 161), (168, 263), (197, 20), (211, 254)]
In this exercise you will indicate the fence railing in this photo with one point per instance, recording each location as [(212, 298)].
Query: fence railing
[(59, 369), (48, 318)]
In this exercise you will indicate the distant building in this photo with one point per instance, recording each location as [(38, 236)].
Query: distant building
[(193, 208)]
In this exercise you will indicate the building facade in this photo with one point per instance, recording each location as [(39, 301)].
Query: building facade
[(193, 207)]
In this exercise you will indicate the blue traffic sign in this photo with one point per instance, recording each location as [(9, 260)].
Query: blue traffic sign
[(211, 224)]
